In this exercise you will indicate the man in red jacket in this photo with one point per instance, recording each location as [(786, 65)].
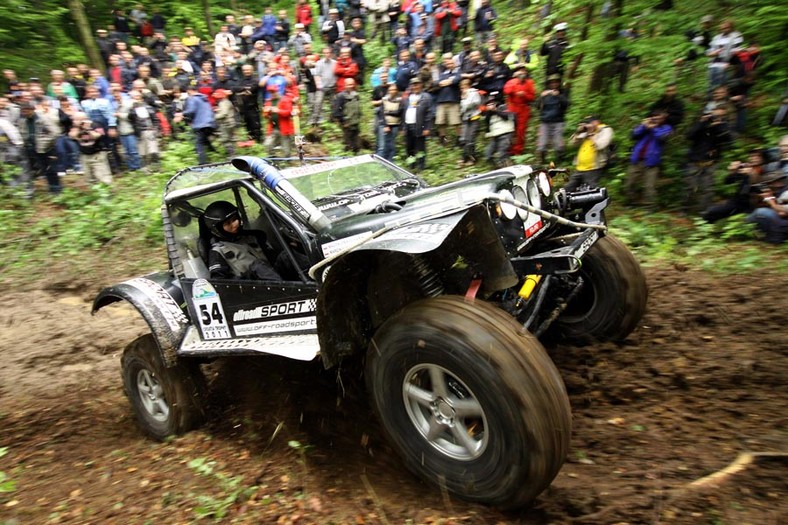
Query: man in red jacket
[(447, 22), (345, 68), (304, 14), (279, 110), (520, 92)]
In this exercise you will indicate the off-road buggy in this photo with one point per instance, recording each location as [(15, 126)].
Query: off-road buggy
[(442, 291)]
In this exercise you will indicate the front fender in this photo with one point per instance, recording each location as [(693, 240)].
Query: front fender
[(157, 298)]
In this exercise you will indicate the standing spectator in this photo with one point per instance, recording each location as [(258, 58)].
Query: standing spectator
[(419, 116), (345, 69), (358, 38), (65, 147), (523, 55), (299, 39), (226, 121), (644, 163), (121, 24), (38, 134), (470, 114), (447, 23), (158, 21), (223, 41), (143, 118), (76, 79), (325, 84), (279, 110), (520, 93), (401, 40), (708, 137), (594, 139), (58, 80), (554, 49), (281, 31), (721, 49), (485, 21), (128, 138), (247, 97), (348, 114), (473, 69), (552, 105), (99, 111), (11, 148), (390, 120), (496, 75), (739, 91), (447, 98), (406, 70), (500, 123), (333, 28), (670, 103), (467, 48), (93, 152), (198, 113), (303, 15), (377, 10)]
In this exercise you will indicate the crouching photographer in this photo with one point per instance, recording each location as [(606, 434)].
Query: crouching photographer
[(746, 176), (772, 215)]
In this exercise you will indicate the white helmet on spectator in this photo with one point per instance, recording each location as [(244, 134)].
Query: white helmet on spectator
[(561, 26)]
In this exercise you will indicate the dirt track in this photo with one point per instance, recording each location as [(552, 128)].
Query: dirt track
[(703, 379)]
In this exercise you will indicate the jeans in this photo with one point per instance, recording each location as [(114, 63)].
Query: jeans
[(132, 152), (387, 142), (67, 153), (769, 221), (202, 142)]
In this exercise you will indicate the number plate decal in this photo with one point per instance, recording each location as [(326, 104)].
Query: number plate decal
[(212, 321)]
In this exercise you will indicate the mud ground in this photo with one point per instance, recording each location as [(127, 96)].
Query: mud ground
[(701, 381)]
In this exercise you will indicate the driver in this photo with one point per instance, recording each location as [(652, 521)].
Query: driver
[(236, 252)]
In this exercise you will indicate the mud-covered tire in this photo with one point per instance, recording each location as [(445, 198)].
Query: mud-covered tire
[(166, 401), (612, 300), (471, 401)]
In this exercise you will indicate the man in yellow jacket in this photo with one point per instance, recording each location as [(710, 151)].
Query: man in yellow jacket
[(594, 139)]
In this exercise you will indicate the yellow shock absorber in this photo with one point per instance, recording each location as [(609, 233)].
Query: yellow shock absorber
[(528, 286)]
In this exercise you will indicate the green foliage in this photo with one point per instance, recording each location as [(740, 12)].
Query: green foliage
[(230, 488), (6, 484)]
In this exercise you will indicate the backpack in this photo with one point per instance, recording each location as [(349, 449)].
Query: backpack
[(146, 29)]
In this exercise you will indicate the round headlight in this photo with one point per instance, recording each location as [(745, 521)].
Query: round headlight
[(519, 195), (508, 211), (544, 183), (534, 197)]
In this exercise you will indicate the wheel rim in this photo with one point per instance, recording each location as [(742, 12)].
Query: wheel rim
[(445, 412), (152, 396)]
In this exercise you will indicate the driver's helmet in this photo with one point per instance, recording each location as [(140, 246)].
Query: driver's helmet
[(216, 214)]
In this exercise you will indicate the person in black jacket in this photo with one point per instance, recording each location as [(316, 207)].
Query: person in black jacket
[(745, 175), (247, 100), (554, 49), (419, 114), (708, 136), (552, 104), (670, 103)]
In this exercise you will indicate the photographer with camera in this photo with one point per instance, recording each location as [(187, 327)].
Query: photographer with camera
[(594, 139), (650, 137), (501, 124), (708, 136), (93, 154), (771, 217), (748, 177)]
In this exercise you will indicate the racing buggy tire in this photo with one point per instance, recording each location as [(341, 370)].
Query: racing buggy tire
[(612, 300), (470, 400), (166, 401)]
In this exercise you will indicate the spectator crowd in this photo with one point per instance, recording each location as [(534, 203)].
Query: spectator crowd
[(447, 81)]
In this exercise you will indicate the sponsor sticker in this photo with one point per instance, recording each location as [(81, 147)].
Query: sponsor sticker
[(291, 173), (275, 310), (294, 324), (213, 322), (587, 244), (333, 247)]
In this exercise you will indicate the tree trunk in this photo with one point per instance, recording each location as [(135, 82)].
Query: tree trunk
[(616, 11), (587, 22), (85, 33), (206, 7)]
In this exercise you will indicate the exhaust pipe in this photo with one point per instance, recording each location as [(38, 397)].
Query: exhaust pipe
[(272, 178)]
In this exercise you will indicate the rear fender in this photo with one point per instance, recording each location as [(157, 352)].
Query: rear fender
[(157, 298)]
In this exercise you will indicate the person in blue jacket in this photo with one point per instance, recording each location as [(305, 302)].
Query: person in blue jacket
[(644, 163), (198, 112)]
